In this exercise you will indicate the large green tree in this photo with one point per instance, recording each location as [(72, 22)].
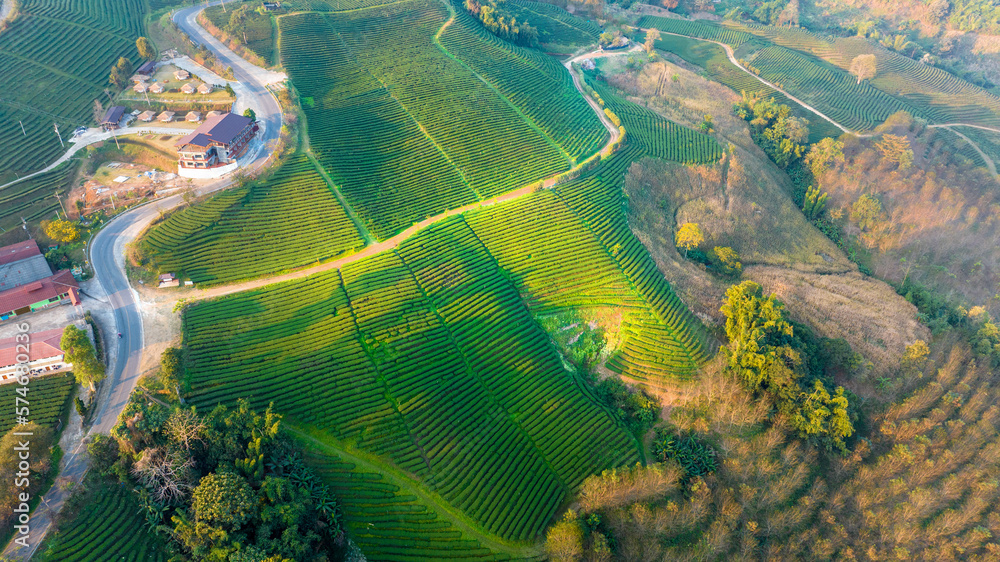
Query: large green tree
[(78, 350)]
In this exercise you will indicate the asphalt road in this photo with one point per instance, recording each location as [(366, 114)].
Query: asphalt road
[(107, 257)]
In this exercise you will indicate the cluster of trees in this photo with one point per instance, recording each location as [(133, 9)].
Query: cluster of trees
[(500, 23), (229, 485), (721, 260), (62, 231), (764, 352), (774, 129)]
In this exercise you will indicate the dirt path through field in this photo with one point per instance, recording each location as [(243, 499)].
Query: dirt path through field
[(393, 242), (989, 162), (732, 59)]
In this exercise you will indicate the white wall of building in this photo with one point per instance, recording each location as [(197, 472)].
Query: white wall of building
[(206, 173)]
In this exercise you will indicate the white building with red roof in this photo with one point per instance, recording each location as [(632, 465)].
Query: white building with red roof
[(211, 150), (44, 355)]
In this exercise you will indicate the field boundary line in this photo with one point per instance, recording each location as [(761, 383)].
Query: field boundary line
[(394, 241), (405, 109), (434, 501), (528, 120)]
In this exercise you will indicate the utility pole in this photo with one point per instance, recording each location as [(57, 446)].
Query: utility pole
[(115, 136), (56, 195), (24, 225), (22, 129), (56, 125), (113, 206)]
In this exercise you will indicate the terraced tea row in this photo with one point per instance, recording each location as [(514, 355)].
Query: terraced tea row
[(388, 522), (704, 30), (557, 28), (656, 136), (414, 128), (108, 528), (47, 397), (859, 107), (537, 84), (288, 220), (33, 198), (427, 357), (57, 85)]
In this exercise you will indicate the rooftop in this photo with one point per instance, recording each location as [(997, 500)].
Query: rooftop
[(114, 114), (19, 251), (221, 129), (37, 291), (41, 345)]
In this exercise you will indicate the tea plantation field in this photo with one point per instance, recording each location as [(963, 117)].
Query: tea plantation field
[(290, 219), (814, 69), (429, 356), (713, 59), (57, 81), (417, 127), (48, 398), (33, 198), (110, 527), (558, 30), (940, 95)]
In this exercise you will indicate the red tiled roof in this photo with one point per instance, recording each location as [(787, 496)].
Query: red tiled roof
[(222, 129), (19, 251), (44, 289), (41, 345)]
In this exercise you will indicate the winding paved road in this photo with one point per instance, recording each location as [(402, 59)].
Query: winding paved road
[(107, 256)]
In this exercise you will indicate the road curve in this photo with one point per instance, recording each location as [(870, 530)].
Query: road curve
[(107, 257)]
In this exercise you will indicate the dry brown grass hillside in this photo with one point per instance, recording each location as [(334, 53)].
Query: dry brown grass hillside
[(744, 203)]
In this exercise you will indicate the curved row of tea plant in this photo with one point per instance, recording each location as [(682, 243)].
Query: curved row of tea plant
[(556, 27), (48, 396), (288, 220), (657, 136), (859, 107), (427, 357), (389, 522), (109, 528), (537, 84), (33, 198), (701, 29), (56, 81)]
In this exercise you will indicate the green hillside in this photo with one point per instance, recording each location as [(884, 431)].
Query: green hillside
[(109, 527), (428, 129), (290, 219), (53, 81)]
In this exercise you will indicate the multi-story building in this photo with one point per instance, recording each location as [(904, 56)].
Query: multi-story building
[(211, 150)]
